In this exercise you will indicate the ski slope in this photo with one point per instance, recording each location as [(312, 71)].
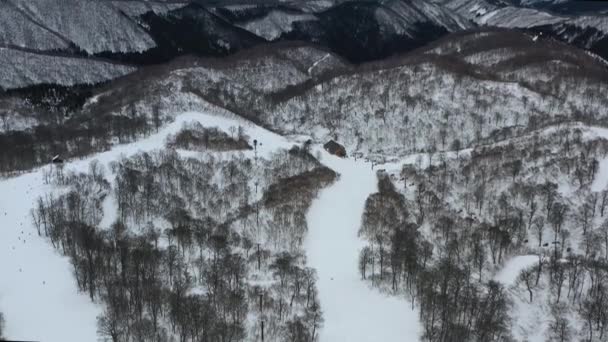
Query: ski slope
[(353, 312), (38, 293), (40, 300)]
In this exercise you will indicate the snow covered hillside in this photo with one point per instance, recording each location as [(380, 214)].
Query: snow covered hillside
[(86, 216), (302, 171), (149, 32), (24, 69), (588, 30), (518, 218), (90, 26), (357, 30), (500, 78), (37, 292)]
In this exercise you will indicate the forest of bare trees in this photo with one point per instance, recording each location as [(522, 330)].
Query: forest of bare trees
[(455, 219), (1, 325), (453, 305), (187, 256)]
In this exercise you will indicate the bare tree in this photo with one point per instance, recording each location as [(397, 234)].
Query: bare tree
[(364, 260), (604, 228), (603, 202), (1, 325), (527, 278), (539, 227), (560, 326), (557, 218)]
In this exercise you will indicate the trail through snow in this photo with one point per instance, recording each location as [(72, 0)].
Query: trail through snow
[(353, 311), (314, 65), (510, 271)]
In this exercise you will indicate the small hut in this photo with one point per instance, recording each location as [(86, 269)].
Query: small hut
[(335, 148), (57, 160)]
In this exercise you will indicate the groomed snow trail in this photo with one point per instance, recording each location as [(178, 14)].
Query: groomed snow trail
[(353, 311)]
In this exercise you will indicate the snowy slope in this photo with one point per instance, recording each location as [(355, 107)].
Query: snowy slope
[(38, 277), (357, 30), (501, 76), (93, 26), (17, 29), (353, 312), (404, 15), (38, 294), (588, 30), (137, 8), (518, 17), (274, 24), (25, 68)]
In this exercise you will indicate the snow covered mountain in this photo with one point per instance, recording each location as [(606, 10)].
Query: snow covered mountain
[(140, 32), (585, 29), (149, 32), (358, 31), (163, 174)]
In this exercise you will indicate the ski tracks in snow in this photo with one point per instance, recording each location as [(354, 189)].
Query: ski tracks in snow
[(353, 311)]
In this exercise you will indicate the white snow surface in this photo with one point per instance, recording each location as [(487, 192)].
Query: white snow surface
[(512, 268), (353, 312), (519, 17)]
